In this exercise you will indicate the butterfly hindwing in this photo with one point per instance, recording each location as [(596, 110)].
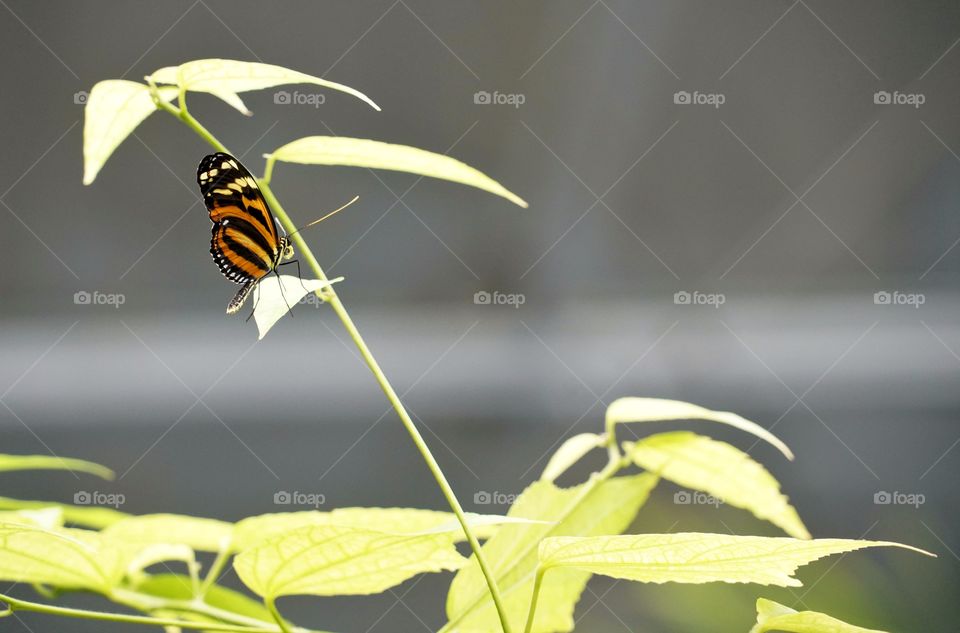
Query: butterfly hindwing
[(245, 244)]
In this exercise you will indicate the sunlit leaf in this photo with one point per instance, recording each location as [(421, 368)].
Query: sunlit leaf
[(114, 109), (483, 526), (204, 535), (275, 295), (68, 558), (776, 617), (570, 453), (226, 77), (655, 409), (254, 530), (52, 462), (696, 558), (86, 516), (512, 553), (358, 152), (179, 587), (726, 472), (330, 560), (155, 553), (48, 518)]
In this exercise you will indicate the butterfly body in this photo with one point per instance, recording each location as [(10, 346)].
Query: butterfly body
[(245, 244)]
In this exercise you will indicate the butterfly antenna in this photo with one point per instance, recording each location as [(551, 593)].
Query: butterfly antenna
[(331, 214)]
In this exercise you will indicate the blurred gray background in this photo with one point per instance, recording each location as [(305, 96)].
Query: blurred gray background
[(793, 203)]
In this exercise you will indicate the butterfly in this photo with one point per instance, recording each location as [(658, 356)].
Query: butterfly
[(245, 245)]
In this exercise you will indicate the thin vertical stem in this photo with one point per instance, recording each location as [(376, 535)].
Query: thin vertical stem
[(533, 600), (331, 296)]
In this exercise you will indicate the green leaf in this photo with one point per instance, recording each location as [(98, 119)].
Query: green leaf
[(359, 152), (224, 78), (49, 518), (484, 526), (205, 535), (276, 294), (726, 472), (569, 453), (180, 587), (52, 462), (91, 517), (696, 558), (772, 616), (66, 558), (512, 553), (331, 560), (155, 553), (254, 530), (655, 409), (114, 109)]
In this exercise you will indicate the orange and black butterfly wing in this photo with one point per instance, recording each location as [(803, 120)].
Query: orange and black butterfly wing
[(245, 244)]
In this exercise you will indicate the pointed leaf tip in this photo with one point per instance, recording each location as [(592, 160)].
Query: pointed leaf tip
[(370, 154)]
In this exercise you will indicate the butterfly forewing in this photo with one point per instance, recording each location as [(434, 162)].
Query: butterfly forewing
[(245, 244)]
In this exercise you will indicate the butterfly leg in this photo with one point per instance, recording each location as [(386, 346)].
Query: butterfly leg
[(321, 294), (280, 281), (299, 274)]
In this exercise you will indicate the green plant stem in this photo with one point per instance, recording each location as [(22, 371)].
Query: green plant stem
[(272, 608), (15, 604), (610, 437), (334, 300), (330, 295), (149, 604), (214, 572), (533, 600), (614, 465)]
